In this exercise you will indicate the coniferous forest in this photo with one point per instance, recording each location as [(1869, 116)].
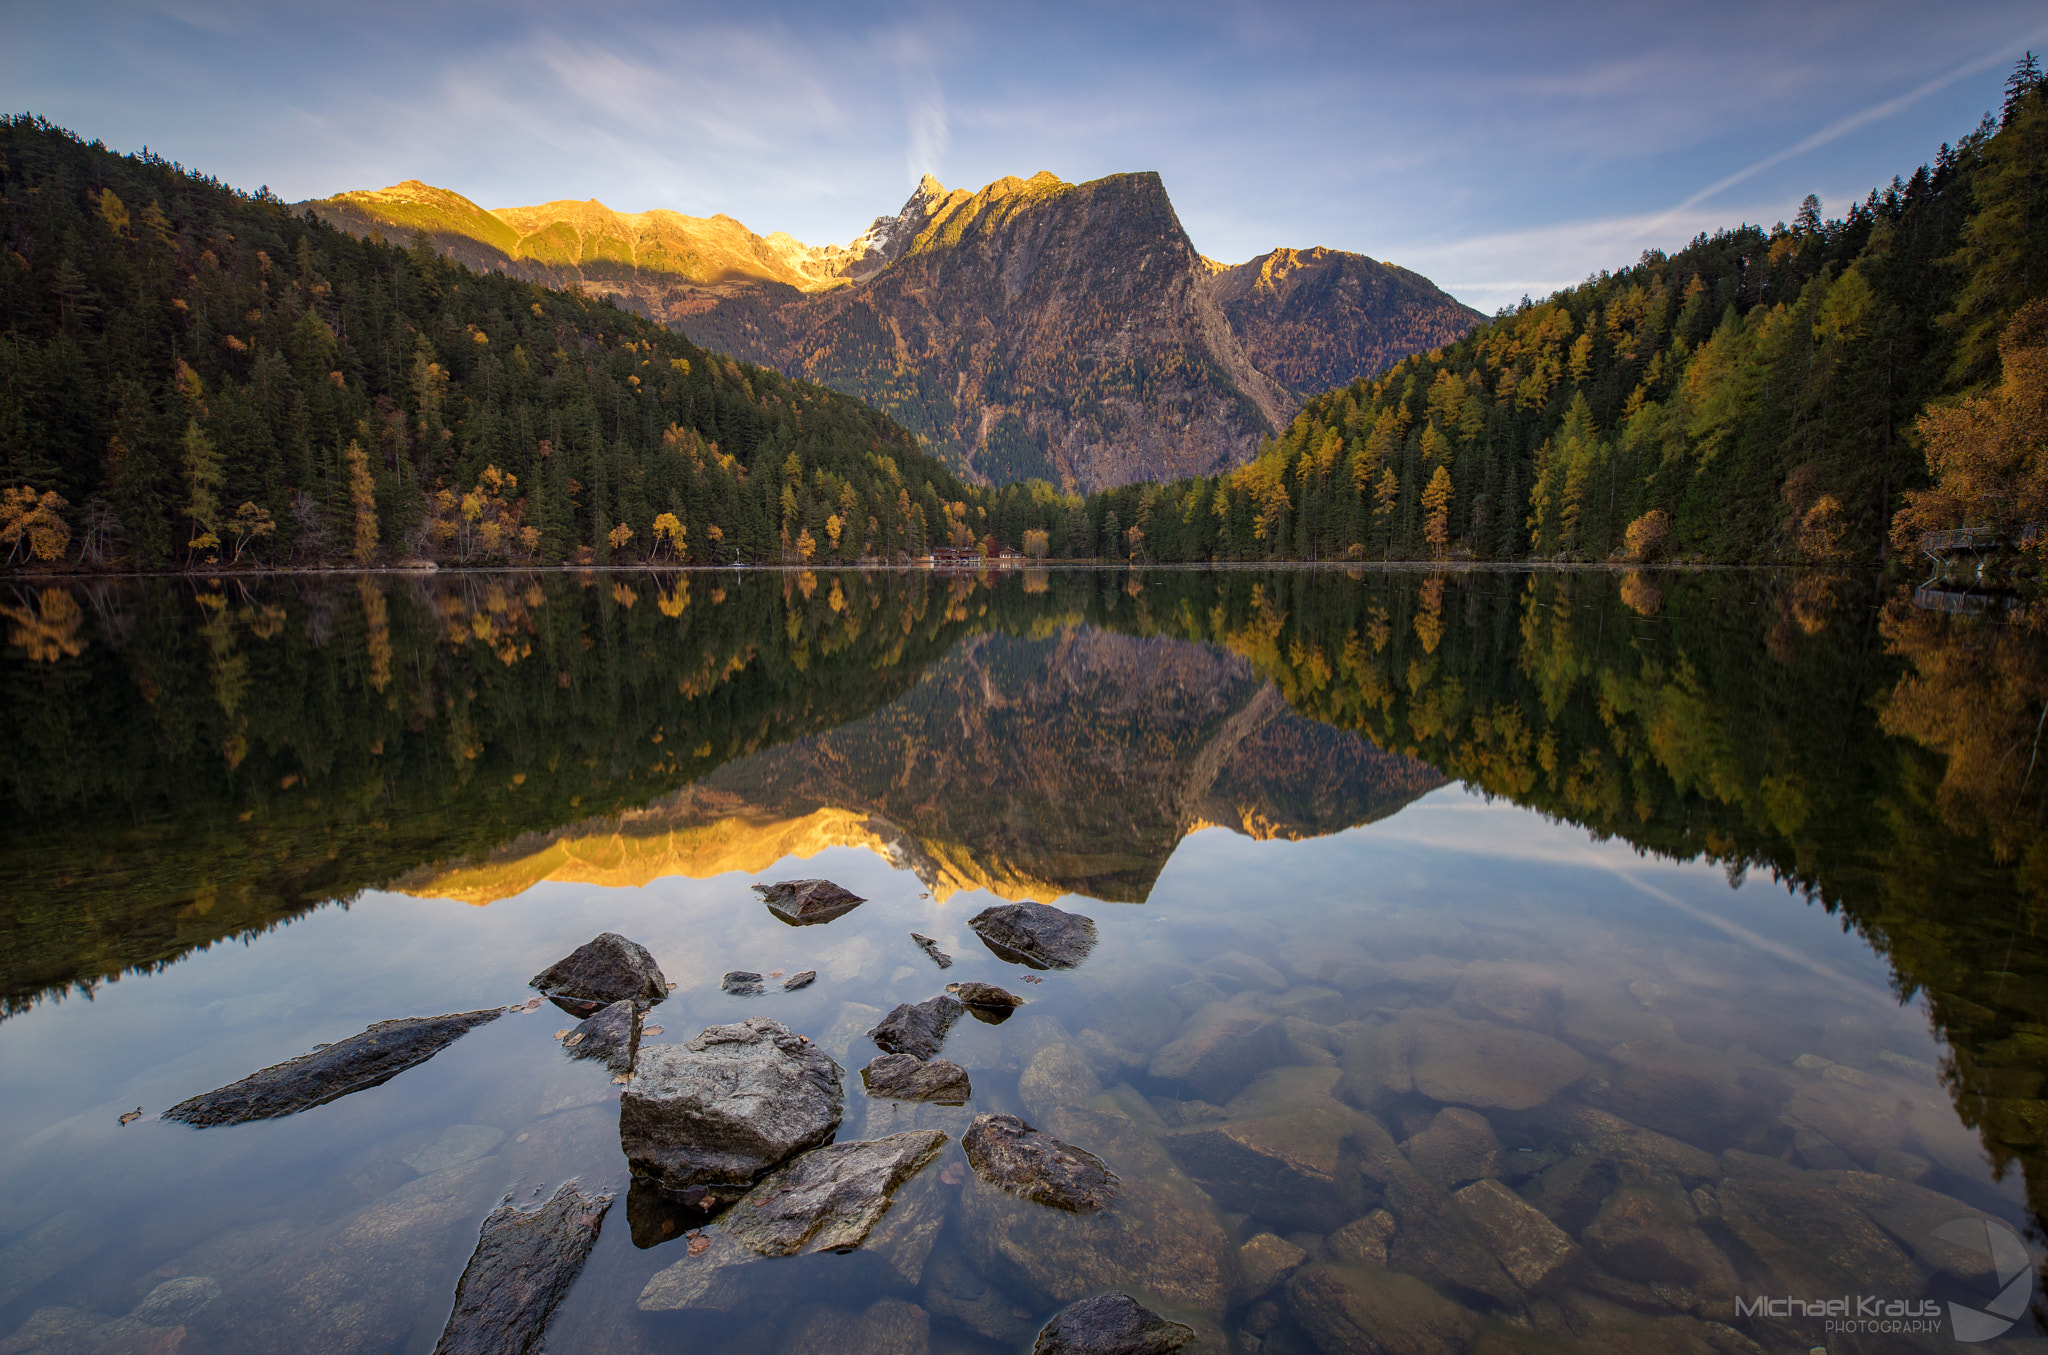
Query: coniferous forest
[(194, 377)]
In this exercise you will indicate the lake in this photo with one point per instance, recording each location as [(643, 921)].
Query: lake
[(1483, 960)]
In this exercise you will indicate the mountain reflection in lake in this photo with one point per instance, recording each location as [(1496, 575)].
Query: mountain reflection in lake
[(1496, 1028)]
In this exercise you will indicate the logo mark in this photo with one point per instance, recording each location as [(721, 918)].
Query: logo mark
[(2012, 1265)]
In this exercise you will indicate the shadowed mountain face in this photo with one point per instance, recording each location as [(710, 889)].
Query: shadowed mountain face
[(1030, 768), (1033, 329)]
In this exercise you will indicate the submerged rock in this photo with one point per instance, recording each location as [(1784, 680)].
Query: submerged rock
[(804, 903), (920, 1030), (985, 997), (523, 1266), (931, 948), (1035, 934), (1219, 1049), (1529, 1247), (656, 1216), (1012, 1156), (600, 972), (1110, 1324), (828, 1199), (1458, 1146), (900, 1077), (612, 1035), (355, 1064), (741, 983), (1376, 1312), (729, 1105)]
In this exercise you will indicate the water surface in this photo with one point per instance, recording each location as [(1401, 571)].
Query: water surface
[(1693, 913)]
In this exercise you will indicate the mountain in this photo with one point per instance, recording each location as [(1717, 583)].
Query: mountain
[(1030, 768), (1033, 329)]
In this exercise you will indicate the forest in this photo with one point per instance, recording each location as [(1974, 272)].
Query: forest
[(193, 378), (1758, 396)]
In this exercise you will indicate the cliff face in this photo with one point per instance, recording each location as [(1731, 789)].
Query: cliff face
[(1036, 328), (1316, 319), (1029, 768), (1068, 332)]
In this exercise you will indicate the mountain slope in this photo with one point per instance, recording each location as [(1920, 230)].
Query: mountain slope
[(1033, 329)]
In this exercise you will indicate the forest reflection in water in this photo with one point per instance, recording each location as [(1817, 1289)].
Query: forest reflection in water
[(195, 763)]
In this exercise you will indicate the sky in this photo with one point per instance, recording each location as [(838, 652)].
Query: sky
[(1499, 149)]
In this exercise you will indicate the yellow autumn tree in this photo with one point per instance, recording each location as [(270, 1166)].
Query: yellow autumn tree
[(669, 534), (1644, 539), (31, 524), (1436, 508), (362, 491)]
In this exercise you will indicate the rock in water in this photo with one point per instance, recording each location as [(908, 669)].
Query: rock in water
[(601, 972), (728, 1106), (1110, 1324), (931, 948), (1035, 934), (355, 1064), (899, 1077), (741, 983), (985, 997), (804, 903), (523, 1266), (919, 1031), (612, 1035), (1012, 1156), (796, 981), (828, 1199)]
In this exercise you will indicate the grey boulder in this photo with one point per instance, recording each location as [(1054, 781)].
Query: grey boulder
[(523, 1266), (600, 972), (1110, 1324), (1013, 1157), (899, 1077), (1035, 934), (805, 903), (613, 1035), (727, 1106), (918, 1030), (355, 1064)]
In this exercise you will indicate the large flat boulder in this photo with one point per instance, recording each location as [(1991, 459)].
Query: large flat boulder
[(524, 1264), (1035, 934), (805, 903), (355, 1064), (826, 1200), (601, 971), (1219, 1049), (1376, 1312), (899, 1077), (1477, 1063), (737, 1101)]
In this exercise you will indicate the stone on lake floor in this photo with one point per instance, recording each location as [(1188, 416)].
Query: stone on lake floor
[(1236, 970), (805, 903), (902, 1077), (729, 1105), (826, 1200), (918, 1030), (1375, 1312), (1037, 935), (800, 980), (1641, 1150), (886, 1327), (1651, 1236), (953, 1289), (1110, 1324), (453, 1146), (1162, 1237), (1811, 1237), (175, 1300), (612, 1036), (1458, 1146), (1012, 1156), (524, 1265), (1280, 1152), (1530, 1248), (602, 971), (1268, 1259), (1058, 1075), (985, 996), (1363, 1240), (1476, 1063), (741, 983), (1433, 1236), (931, 948), (355, 1064), (1219, 1049)]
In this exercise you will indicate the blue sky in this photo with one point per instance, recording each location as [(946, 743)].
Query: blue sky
[(1497, 148)]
